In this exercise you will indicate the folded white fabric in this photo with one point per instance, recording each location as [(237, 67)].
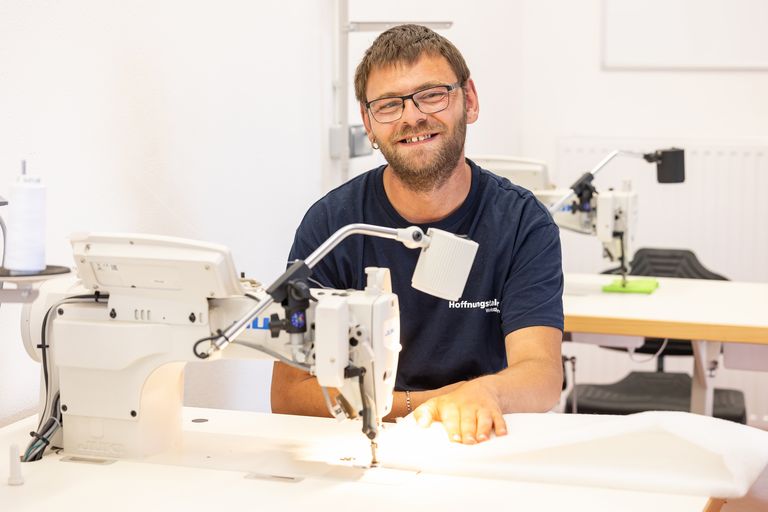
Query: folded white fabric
[(673, 452)]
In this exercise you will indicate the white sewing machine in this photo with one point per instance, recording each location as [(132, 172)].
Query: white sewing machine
[(610, 215), (113, 342)]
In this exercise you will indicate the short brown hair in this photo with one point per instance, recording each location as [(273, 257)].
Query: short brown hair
[(405, 44)]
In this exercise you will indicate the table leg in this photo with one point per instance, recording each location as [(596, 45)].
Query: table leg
[(706, 355), (714, 505)]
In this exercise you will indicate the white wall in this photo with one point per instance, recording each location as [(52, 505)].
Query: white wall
[(195, 119), (566, 92)]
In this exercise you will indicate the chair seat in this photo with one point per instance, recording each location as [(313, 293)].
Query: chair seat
[(649, 391)]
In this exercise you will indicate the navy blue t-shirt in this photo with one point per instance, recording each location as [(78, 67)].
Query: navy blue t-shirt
[(516, 280)]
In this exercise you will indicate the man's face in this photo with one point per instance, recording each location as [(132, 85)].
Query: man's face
[(428, 162)]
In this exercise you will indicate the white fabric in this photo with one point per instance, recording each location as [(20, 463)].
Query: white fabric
[(673, 452)]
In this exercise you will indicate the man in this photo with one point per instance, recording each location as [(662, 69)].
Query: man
[(495, 351)]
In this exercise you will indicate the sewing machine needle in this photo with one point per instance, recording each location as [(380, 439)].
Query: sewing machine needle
[(374, 460)]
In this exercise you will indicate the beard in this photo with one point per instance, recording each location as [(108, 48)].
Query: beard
[(430, 170)]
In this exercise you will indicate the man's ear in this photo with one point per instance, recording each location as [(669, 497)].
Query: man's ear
[(366, 120), (471, 102)]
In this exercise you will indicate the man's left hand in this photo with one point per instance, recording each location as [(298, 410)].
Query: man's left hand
[(469, 413)]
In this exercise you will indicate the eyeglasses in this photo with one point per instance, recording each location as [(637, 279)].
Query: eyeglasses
[(428, 101)]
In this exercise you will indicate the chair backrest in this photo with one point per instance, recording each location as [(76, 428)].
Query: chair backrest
[(670, 263), (680, 263)]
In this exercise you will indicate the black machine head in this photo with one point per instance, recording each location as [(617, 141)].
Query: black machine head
[(670, 165)]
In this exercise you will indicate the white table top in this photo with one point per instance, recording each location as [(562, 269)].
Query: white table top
[(679, 308), (226, 462)]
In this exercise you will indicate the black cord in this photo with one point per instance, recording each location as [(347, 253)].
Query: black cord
[(201, 355), (40, 437), (55, 412), (204, 355), (43, 345), (56, 408), (219, 333), (43, 435)]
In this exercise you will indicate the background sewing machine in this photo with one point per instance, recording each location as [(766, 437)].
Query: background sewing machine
[(113, 343), (610, 215)]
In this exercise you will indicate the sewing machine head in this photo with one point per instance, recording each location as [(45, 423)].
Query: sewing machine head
[(610, 215)]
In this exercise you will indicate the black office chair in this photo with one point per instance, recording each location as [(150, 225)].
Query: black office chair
[(659, 390)]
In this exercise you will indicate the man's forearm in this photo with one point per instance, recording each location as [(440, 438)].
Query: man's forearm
[(306, 399), (295, 392), (528, 386)]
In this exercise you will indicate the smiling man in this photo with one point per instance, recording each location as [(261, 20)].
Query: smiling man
[(497, 349)]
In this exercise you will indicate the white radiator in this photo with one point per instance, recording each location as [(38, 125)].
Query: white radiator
[(720, 213)]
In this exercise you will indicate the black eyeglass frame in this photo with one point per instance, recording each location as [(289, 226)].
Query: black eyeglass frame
[(449, 88)]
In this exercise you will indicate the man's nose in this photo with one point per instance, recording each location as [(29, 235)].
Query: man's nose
[(411, 113)]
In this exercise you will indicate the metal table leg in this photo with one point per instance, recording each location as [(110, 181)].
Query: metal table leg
[(706, 356)]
